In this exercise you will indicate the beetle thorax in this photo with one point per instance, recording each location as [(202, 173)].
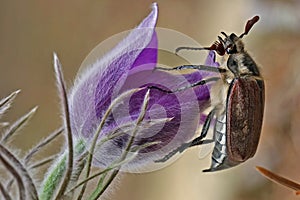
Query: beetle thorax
[(218, 96)]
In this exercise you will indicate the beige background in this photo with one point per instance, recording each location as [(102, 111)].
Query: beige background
[(31, 30)]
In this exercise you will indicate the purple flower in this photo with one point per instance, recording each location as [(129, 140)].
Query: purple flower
[(170, 119)]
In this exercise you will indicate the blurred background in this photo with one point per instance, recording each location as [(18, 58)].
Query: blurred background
[(31, 30)]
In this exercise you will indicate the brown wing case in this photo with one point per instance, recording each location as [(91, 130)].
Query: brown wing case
[(245, 108)]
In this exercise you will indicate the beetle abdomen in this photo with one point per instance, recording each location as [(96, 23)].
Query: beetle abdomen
[(220, 153), (245, 107)]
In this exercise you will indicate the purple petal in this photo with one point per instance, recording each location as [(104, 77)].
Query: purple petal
[(172, 105), (182, 108), (148, 55), (130, 65), (211, 59), (93, 88)]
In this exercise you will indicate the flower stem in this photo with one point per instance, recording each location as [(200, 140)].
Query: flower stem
[(55, 175)]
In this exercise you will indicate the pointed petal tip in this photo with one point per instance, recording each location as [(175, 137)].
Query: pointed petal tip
[(155, 7), (151, 19), (155, 11)]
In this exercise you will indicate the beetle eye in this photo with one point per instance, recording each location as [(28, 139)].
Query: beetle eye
[(231, 49)]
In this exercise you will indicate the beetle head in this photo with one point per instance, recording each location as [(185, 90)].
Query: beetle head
[(232, 44)]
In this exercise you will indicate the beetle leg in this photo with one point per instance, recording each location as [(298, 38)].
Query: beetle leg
[(198, 67), (195, 142), (201, 82), (198, 141)]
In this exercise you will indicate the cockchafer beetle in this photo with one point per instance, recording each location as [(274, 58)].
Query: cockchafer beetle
[(237, 100)]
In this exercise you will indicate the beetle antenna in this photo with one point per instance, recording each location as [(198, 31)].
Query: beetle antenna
[(249, 25), (191, 48), (216, 46)]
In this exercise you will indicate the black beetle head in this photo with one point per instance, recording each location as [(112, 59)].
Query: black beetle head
[(232, 44)]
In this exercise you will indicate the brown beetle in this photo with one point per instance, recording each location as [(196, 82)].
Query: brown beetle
[(237, 100)]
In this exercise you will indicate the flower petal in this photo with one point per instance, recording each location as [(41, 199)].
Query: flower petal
[(130, 65), (93, 88), (181, 108), (211, 59)]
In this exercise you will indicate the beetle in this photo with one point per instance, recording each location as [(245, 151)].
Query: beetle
[(237, 100)]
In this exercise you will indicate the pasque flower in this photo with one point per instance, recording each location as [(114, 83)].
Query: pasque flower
[(170, 119), (113, 117)]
